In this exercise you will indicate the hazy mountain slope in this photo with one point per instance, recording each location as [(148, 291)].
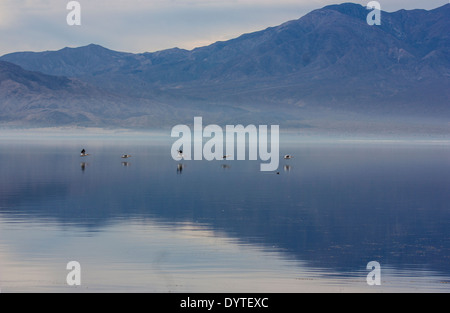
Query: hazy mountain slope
[(326, 63), (36, 99)]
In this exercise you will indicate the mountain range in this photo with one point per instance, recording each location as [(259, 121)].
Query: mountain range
[(326, 69)]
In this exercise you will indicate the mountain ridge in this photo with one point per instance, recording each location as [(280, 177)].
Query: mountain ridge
[(328, 60)]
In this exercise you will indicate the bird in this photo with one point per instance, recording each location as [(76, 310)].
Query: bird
[(83, 153), (226, 156), (126, 156), (180, 154), (288, 157)]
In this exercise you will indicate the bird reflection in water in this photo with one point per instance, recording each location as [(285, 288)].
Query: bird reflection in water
[(126, 163), (225, 166), (83, 166), (287, 168), (180, 168)]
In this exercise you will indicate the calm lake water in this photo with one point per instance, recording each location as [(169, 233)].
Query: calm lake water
[(153, 224)]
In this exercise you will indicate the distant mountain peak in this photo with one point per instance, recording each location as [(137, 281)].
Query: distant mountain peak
[(345, 7), (91, 46), (349, 9), (329, 58)]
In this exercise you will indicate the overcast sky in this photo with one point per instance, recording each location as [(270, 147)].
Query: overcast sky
[(152, 25)]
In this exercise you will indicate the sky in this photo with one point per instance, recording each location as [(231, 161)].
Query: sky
[(151, 25)]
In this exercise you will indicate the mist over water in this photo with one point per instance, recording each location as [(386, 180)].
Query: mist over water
[(149, 223)]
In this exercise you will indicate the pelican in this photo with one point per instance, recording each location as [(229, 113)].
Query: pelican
[(288, 157)]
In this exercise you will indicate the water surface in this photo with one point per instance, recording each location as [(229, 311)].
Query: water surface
[(152, 224)]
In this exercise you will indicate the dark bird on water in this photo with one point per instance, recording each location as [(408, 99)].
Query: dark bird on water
[(180, 168)]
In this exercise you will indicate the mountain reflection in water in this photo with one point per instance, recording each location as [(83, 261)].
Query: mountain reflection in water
[(331, 209)]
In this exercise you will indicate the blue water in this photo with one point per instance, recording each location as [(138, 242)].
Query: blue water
[(153, 224)]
